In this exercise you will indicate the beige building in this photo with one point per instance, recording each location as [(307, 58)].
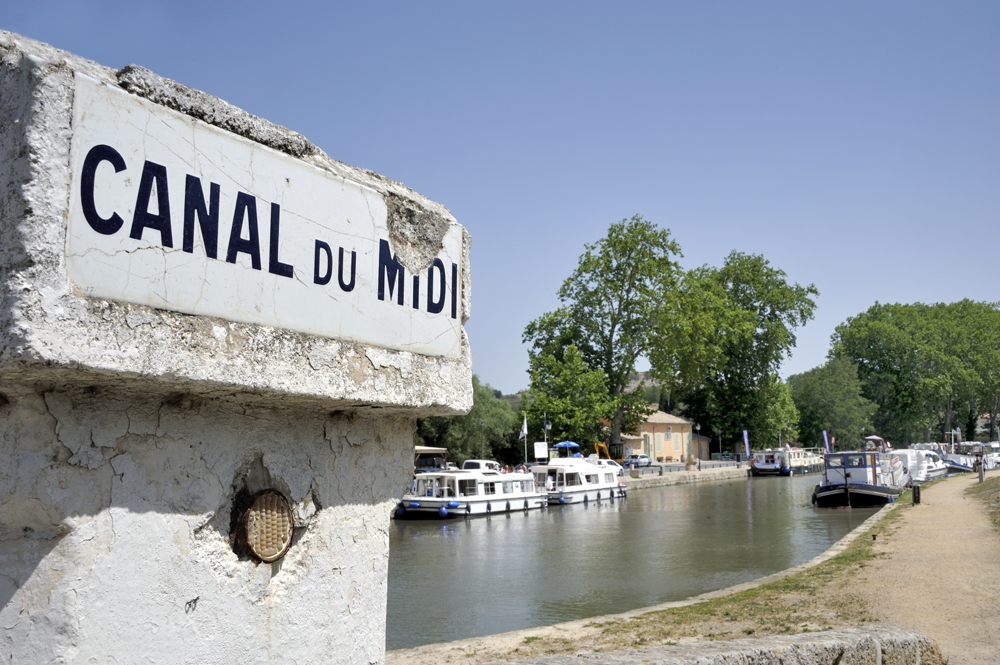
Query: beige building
[(665, 438)]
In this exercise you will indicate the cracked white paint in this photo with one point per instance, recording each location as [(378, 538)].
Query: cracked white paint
[(314, 205)]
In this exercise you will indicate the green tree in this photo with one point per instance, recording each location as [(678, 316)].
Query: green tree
[(830, 398), (571, 395), (489, 430), (613, 305), (780, 421), (747, 322)]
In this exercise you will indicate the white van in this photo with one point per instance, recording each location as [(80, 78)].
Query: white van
[(482, 465)]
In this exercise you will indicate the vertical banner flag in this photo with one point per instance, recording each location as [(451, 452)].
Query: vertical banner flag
[(746, 443), (524, 429), (826, 442)]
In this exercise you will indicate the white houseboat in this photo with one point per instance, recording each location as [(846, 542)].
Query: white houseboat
[(469, 492), (575, 480), (860, 480)]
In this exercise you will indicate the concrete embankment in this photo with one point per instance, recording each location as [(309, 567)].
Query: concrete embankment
[(683, 477), (869, 646)]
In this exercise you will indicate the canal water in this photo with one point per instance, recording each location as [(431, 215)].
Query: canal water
[(454, 579)]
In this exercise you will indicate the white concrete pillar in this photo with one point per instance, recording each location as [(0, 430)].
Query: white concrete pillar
[(164, 357)]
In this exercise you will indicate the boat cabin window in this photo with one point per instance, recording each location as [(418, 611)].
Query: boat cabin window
[(855, 460), (508, 487), (593, 479), (489, 488), (834, 460), (528, 485), (467, 487), (573, 479), (471, 465), (609, 477), (434, 486)]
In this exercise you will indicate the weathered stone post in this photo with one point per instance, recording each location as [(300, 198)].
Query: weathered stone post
[(214, 343)]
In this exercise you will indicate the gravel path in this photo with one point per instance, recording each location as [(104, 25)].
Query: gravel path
[(942, 574)]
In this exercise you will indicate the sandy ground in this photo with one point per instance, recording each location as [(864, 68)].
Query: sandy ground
[(942, 575), (939, 575)]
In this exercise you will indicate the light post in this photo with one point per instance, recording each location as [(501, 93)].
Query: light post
[(690, 460)]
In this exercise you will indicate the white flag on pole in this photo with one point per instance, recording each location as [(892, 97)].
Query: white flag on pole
[(524, 429)]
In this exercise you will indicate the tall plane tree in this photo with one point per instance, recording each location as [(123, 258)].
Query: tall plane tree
[(612, 308), (743, 329)]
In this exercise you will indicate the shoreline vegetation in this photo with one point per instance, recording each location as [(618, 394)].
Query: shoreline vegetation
[(822, 597)]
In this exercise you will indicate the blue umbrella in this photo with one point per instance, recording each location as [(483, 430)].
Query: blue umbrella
[(567, 444)]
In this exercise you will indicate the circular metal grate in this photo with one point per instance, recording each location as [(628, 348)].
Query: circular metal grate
[(269, 525)]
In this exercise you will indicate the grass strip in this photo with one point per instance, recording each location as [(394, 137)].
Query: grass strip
[(989, 493)]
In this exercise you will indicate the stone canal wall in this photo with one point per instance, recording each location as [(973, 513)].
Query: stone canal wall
[(870, 646), (685, 477)]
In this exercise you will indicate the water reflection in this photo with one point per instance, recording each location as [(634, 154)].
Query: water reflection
[(464, 578)]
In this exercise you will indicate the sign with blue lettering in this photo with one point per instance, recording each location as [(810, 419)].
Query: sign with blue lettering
[(171, 212)]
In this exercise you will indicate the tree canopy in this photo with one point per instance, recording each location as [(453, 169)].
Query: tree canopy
[(571, 395), (746, 327), (488, 431), (926, 367), (612, 304), (830, 398)]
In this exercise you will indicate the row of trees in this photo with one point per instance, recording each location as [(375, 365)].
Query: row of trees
[(908, 372), (926, 369)]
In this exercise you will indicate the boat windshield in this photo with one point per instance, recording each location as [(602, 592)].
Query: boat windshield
[(835, 460)]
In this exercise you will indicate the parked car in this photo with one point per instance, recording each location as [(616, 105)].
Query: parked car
[(616, 466), (638, 460), (607, 464)]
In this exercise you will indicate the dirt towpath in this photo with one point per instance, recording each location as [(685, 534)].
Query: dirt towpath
[(941, 575)]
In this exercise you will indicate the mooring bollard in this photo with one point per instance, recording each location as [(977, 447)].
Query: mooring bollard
[(916, 494)]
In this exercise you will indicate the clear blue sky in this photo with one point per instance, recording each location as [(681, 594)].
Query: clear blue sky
[(855, 145)]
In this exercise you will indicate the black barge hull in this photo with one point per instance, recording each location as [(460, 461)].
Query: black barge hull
[(855, 495)]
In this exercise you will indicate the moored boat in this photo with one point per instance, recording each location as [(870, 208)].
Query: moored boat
[(574, 480), (922, 465), (469, 492), (768, 462), (860, 480), (786, 462)]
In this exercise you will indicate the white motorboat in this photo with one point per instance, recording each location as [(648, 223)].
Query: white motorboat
[(575, 480), (469, 492), (922, 465)]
